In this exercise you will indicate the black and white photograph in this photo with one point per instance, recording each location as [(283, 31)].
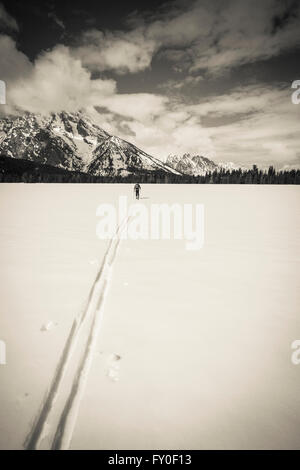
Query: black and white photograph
[(150, 227)]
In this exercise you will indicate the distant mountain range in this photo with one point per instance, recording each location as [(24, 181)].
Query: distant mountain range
[(71, 141), (196, 165)]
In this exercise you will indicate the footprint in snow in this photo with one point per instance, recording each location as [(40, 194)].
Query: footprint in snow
[(93, 261), (48, 326), (113, 367)]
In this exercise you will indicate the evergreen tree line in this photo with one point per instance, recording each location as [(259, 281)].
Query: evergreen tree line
[(25, 171)]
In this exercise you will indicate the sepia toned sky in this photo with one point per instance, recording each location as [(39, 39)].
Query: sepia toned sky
[(209, 77)]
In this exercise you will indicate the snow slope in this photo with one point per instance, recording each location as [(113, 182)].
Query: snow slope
[(194, 348)]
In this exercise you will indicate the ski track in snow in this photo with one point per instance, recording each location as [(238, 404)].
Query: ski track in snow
[(93, 310)]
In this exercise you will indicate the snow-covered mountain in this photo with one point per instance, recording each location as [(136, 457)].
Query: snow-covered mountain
[(73, 142), (196, 165), (116, 156), (229, 166)]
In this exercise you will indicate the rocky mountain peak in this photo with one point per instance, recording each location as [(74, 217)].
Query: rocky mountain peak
[(74, 142)]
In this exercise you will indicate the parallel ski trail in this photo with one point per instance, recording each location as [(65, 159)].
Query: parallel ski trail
[(68, 419), (93, 309)]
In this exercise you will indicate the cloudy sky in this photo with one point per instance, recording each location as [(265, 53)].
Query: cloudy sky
[(208, 77)]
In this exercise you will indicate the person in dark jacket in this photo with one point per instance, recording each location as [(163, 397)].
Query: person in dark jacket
[(137, 189)]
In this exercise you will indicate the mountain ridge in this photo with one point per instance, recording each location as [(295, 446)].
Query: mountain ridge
[(73, 142), (197, 165)]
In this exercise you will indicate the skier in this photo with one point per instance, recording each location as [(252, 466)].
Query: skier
[(137, 189)]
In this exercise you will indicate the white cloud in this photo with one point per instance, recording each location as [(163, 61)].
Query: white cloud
[(242, 100), (138, 106), (13, 63), (185, 27), (245, 32), (56, 81), (119, 51), (268, 131)]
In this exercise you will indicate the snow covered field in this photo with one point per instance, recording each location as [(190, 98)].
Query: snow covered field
[(194, 347)]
